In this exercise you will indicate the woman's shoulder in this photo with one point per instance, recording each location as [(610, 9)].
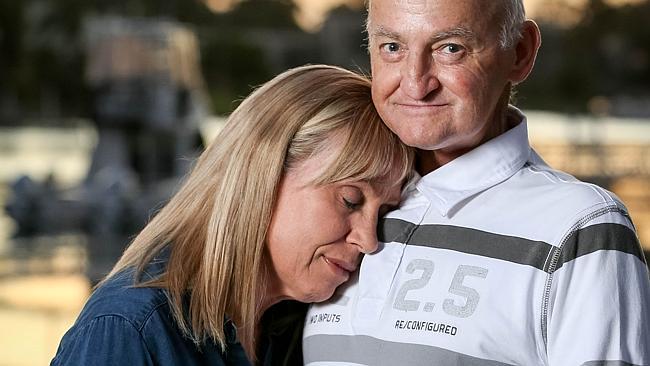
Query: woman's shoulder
[(112, 326), (120, 297)]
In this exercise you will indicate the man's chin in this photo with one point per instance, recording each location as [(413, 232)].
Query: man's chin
[(422, 143)]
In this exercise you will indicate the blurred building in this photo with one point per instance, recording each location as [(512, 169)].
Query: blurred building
[(611, 152), (147, 103), (343, 39)]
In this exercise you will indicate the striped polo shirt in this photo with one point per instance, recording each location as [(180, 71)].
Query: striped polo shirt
[(493, 259)]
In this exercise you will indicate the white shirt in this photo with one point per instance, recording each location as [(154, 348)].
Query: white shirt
[(493, 259)]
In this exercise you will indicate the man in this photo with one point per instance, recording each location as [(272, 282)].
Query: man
[(493, 258)]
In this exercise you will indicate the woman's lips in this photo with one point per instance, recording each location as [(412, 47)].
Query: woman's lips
[(340, 266)]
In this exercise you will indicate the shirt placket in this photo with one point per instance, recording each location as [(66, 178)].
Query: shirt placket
[(377, 275)]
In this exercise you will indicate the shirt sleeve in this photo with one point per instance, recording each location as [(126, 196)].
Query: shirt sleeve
[(106, 340), (598, 306)]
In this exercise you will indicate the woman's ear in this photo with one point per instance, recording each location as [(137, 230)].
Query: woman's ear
[(525, 52)]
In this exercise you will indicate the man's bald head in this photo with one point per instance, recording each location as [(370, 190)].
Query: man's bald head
[(513, 17)]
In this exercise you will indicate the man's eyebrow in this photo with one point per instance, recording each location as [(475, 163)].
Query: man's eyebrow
[(384, 32), (458, 32)]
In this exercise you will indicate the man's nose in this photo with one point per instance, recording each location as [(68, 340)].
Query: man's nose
[(418, 76), (363, 233)]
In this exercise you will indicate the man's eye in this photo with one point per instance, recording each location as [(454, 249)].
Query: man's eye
[(452, 48), (391, 47), (450, 53)]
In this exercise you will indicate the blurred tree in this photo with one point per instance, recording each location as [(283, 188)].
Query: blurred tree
[(231, 67), (601, 50), (271, 14), (12, 68), (42, 59), (42, 63), (343, 40), (606, 54), (58, 58), (247, 46)]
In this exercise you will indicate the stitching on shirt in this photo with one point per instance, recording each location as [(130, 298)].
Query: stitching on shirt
[(551, 268), (151, 312), (146, 320), (406, 243), (99, 317), (555, 176), (612, 206), (118, 316)]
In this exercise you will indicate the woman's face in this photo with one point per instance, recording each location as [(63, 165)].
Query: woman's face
[(318, 233)]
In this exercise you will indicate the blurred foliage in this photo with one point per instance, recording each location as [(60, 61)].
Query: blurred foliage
[(36, 57), (42, 63), (231, 67), (232, 62), (605, 53)]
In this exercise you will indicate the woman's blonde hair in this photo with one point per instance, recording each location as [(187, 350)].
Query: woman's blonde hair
[(216, 225)]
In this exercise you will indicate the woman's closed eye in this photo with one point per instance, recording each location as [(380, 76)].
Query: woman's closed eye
[(351, 204), (351, 197)]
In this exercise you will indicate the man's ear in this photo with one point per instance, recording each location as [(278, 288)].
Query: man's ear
[(525, 52)]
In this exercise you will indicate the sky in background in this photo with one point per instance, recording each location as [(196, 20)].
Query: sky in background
[(312, 12)]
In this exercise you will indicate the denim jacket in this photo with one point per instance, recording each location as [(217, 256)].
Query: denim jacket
[(125, 325)]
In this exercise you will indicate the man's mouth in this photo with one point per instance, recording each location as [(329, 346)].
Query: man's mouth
[(422, 106)]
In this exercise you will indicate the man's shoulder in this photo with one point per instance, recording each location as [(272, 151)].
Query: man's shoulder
[(545, 184)]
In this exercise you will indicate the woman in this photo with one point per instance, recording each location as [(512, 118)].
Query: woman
[(280, 206)]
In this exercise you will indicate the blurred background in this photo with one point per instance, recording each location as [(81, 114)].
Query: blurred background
[(104, 104)]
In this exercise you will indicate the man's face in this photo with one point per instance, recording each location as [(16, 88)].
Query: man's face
[(438, 70)]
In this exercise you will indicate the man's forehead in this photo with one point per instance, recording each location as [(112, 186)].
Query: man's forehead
[(425, 6), (417, 6), (445, 15)]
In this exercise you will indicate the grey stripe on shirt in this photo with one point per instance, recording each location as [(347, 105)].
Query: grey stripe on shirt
[(513, 249), (608, 363), (600, 237), (368, 350)]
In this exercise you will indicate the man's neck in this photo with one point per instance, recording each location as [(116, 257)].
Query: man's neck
[(428, 161), (425, 162)]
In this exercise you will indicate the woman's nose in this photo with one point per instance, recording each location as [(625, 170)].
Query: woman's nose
[(363, 233)]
